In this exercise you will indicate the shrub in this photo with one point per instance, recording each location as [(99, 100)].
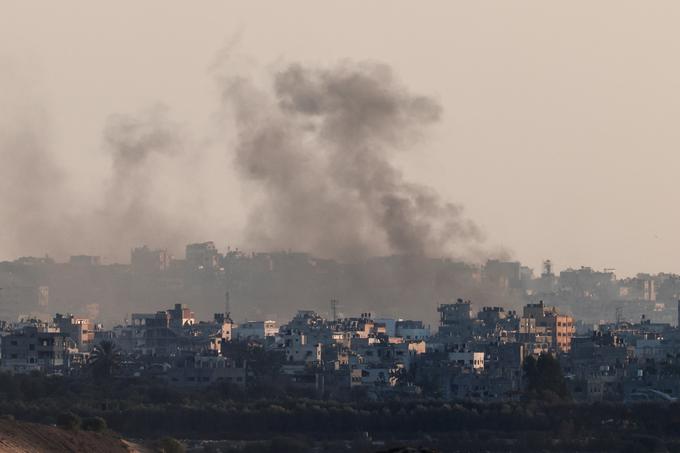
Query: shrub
[(171, 445), (96, 424), (68, 420)]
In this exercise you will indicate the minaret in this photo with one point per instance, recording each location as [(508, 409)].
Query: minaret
[(227, 306), (227, 323)]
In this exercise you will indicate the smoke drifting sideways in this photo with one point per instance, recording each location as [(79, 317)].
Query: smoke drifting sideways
[(317, 145), (312, 146), (28, 204), (151, 187), (163, 188)]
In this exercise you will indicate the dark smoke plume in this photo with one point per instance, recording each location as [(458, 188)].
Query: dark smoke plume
[(315, 146), (319, 146)]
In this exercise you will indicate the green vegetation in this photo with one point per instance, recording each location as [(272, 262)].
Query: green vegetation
[(148, 409), (170, 445), (105, 360), (69, 421), (544, 378), (96, 424)]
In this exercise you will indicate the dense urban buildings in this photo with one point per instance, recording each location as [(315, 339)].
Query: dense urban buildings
[(474, 351), (275, 285)]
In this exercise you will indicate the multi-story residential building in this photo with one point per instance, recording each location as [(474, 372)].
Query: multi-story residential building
[(589, 284), (599, 362), (642, 287), (502, 274), (537, 319), (202, 370), (362, 327), (372, 376), (563, 329), (467, 359), (144, 260), (255, 330), (181, 316), (158, 319), (80, 329), (156, 333), (495, 322), (492, 315), (23, 301), (33, 349), (299, 348), (455, 320), (411, 330), (203, 256)]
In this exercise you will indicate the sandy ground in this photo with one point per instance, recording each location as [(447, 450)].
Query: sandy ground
[(20, 437)]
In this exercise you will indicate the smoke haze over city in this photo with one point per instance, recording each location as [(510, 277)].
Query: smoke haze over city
[(387, 226), (313, 148), (85, 125)]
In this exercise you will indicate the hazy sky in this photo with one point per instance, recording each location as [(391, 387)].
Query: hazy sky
[(559, 132)]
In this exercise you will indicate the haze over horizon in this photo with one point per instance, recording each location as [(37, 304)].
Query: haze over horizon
[(557, 144)]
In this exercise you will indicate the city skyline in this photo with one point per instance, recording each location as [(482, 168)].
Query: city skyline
[(383, 227)]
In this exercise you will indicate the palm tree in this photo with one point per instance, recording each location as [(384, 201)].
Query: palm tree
[(105, 359)]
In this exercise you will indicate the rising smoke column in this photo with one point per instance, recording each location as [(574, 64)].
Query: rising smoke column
[(140, 203), (318, 147), (140, 200)]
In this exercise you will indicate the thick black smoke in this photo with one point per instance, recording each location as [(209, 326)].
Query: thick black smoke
[(319, 145)]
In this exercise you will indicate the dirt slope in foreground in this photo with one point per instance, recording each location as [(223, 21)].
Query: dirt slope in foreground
[(21, 437)]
